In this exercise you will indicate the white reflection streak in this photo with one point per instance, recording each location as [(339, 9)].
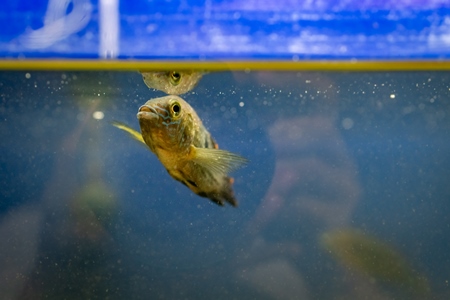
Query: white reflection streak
[(109, 28), (58, 24)]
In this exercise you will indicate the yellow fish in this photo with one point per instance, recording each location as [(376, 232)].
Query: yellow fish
[(172, 82), (173, 131)]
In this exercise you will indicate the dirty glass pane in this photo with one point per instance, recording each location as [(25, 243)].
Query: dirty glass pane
[(345, 195)]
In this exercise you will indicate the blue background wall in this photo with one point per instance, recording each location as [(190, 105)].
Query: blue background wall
[(217, 29)]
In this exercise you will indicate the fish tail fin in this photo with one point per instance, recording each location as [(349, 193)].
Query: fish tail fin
[(229, 194), (225, 195)]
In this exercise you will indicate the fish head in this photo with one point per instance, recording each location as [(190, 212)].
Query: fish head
[(166, 122), (172, 82)]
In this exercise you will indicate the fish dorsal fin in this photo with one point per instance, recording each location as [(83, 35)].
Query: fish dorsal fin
[(133, 133), (220, 161)]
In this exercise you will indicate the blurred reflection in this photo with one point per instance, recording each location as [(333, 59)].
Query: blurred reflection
[(87, 213), (362, 253), (19, 233), (314, 189), (66, 240), (94, 209), (172, 82), (315, 180)]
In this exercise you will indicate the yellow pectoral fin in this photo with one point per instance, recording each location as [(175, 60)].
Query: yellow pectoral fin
[(133, 133), (220, 161)]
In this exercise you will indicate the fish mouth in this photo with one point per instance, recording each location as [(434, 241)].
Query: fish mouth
[(147, 112)]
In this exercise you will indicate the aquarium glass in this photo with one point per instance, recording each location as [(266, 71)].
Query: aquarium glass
[(345, 194)]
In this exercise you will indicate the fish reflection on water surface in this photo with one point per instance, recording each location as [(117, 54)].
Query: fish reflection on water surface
[(173, 131), (172, 82)]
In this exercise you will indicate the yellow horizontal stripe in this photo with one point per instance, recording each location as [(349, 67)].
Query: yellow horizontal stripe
[(132, 65)]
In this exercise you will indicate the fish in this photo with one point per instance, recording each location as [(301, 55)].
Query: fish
[(172, 130), (172, 82)]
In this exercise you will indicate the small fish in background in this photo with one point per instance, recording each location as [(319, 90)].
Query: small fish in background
[(367, 254), (172, 82), (173, 131)]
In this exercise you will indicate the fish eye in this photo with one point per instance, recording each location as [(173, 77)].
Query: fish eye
[(175, 78), (175, 108)]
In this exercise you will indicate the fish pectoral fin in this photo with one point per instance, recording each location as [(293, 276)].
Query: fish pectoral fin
[(220, 161), (133, 133)]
